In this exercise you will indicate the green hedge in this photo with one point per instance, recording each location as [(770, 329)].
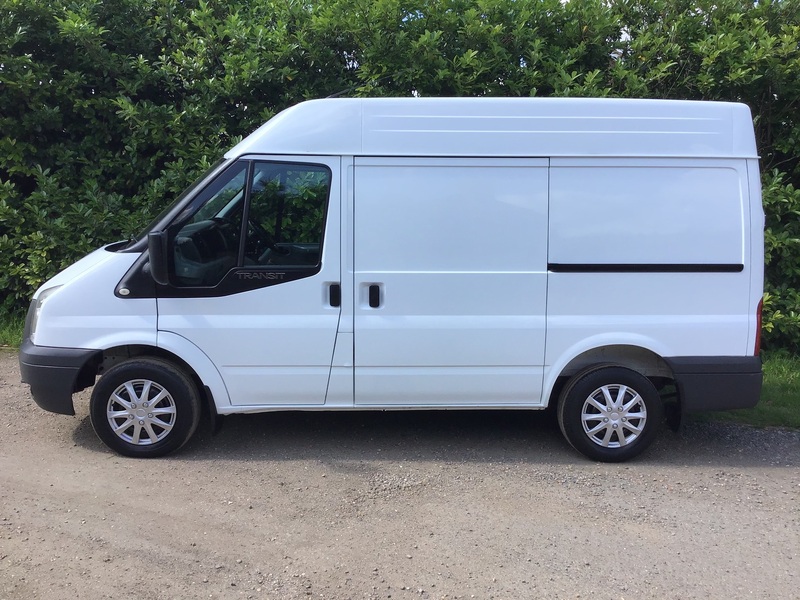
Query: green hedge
[(108, 109)]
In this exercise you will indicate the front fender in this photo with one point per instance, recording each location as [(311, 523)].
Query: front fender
[(205, 369)]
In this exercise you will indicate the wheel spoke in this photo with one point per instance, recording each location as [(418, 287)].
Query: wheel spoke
[(635, 429), (623, 389), (597, 428), (634, 400), (149, 428), (131, 391), (145, 391), (607, 437), (120, 400), (137, 432), (119, 429), (167, 410), (607, 396), (118, 414), (621, 437), (166, 426), (593, 401), (159, 397)]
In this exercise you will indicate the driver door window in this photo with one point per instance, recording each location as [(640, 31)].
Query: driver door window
[(207, 246), (256, 214), (286, 215)]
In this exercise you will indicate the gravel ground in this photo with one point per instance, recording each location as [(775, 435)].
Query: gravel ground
[(392, 505)]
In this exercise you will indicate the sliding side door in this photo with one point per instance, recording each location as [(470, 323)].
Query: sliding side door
[(450, 281)]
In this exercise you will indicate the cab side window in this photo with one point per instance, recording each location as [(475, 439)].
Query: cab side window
[(206, 247), (256, 214), (286, 215)]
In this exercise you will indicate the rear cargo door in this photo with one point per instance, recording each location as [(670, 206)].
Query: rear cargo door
[(450, 260)]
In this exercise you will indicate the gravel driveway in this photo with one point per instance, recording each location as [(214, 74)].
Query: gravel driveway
[(392, 505)]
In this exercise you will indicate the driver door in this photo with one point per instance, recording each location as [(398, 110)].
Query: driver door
[(255, 267)]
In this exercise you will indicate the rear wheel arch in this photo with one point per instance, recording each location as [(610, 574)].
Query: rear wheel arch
[(609, 412), (640, 359)]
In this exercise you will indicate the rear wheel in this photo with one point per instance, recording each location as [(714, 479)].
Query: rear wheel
[(610, 414), (145, 407)]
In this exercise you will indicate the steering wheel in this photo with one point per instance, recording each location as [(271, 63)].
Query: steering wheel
[(263, 236), (228, 231)]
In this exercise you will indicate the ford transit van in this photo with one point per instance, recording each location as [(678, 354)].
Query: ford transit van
[(378, 254)]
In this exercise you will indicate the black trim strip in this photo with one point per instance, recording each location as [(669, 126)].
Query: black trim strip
[(643, 268)]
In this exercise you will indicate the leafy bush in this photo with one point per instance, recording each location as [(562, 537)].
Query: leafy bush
[(782, 256), (108, 109)]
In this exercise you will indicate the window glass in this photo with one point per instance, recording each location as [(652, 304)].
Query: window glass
[(152, 225), (286, 216), (284, 223), (207, 245)]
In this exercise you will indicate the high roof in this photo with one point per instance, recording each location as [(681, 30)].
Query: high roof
[(518, 127)]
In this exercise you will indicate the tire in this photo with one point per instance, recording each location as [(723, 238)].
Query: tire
[(144, 408), (590, 417)]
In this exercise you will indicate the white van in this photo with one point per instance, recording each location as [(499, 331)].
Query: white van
[(430, 254)]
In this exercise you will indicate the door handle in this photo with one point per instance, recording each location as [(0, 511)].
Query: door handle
[(374, 296), (335, 295)]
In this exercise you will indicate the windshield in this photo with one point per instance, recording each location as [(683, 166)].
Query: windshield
[(150, 226)]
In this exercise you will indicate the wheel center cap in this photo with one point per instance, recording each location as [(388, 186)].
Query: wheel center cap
[(140, 413), (614, 416)]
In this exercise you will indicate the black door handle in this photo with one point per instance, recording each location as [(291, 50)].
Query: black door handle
[(335, 294), (374, 296)]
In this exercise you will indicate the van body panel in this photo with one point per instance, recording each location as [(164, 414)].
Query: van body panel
[(88, 263), (521, 127), (289, 348), (84, 312), (648, 211), (681, 314), (756, 223), (456, 251), (341, 392), (200, 363)]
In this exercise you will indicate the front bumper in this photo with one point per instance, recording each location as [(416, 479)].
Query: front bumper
[(55, 373), (717, 382)]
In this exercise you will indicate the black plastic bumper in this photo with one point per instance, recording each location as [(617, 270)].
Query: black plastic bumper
[(717, 382), (53, 374)]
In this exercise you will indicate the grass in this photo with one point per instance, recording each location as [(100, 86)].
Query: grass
[(11, 331), (780, 396)]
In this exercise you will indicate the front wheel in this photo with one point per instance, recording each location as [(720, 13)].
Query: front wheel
[(144, 408), (610, 413)]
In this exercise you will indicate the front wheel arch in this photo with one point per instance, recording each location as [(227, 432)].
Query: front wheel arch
[(145, 407)]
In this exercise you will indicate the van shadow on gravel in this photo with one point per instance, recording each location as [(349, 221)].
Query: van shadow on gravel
[(530, 437), (484, 436)]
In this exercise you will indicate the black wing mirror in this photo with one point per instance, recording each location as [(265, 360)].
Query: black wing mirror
[(157, 247)]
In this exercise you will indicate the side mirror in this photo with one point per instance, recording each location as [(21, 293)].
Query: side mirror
[(157, 247)]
